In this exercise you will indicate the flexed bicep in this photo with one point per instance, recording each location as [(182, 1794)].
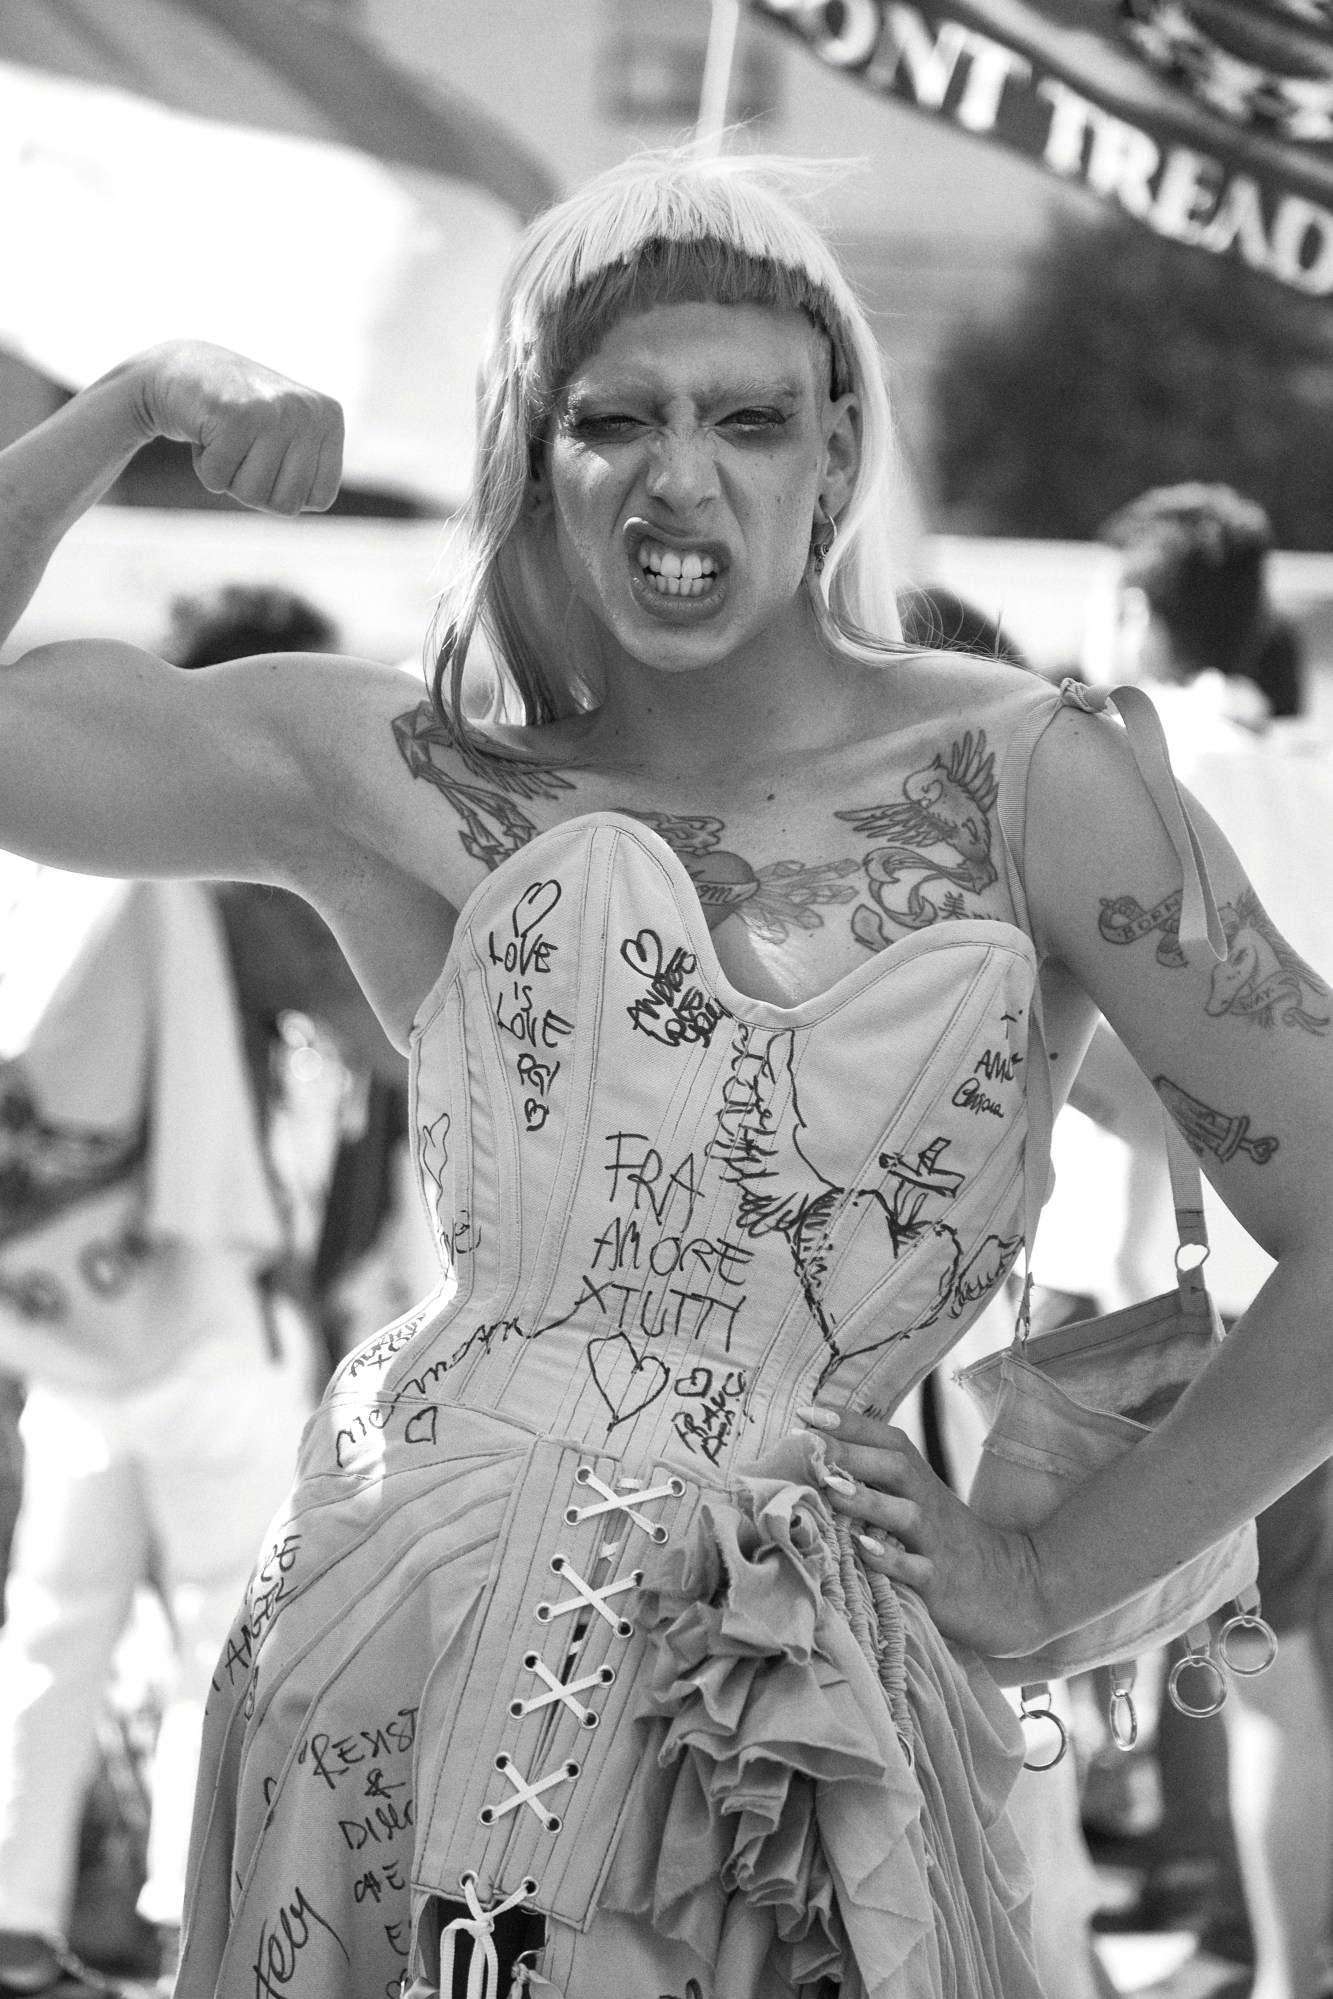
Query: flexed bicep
[(1236, 1034)]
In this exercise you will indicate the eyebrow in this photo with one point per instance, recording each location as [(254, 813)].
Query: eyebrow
[(757, 389)]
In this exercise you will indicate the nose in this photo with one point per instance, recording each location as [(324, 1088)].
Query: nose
[(682, 472)]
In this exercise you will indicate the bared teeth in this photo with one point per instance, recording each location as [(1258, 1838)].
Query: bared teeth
[(673, 573)]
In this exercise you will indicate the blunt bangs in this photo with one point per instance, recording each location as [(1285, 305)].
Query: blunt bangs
[(704, 271)]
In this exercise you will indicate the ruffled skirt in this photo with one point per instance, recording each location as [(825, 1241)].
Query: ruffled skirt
[(796, 1786)]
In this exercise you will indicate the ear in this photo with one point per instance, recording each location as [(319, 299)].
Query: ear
[(537, 497), (842, 452), (1133, 624)]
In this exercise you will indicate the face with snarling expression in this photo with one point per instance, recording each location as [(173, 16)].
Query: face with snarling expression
[(687, 462)]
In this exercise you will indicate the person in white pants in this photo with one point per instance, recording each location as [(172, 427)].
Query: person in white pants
[(178, 1479), (168, 1375)]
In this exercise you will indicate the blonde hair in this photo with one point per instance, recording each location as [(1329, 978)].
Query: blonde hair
[(660, 229)]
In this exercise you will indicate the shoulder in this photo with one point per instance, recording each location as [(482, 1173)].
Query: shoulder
[(948, 705), (947, 687)]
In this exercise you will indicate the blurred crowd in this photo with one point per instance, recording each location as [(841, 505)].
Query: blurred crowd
[(206, 1200)]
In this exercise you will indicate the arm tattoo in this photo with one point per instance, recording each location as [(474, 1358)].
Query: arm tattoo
[(1261, 980), (486, 800), (940, 831), (1221, 1133), (772, 901), (1124, 920)]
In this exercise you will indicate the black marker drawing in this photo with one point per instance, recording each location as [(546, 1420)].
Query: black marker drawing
[(714, 1397), (1221, 1133), (969, 1096), (523, 945), (672, 1009), (941, 832), (494, 826), (914, 1181), (524, 954), (279, 1947), (627, 1379), (433, 1155)]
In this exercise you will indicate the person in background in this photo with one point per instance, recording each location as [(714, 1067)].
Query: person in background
[(239, 620), (289, 969), (1192, 618), (168, 1371)]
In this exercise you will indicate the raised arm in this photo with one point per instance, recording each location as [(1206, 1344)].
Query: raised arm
[(110, 760), (265, 440), (279, 769)]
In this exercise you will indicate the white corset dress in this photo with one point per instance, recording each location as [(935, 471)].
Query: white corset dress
[(670, 1215)]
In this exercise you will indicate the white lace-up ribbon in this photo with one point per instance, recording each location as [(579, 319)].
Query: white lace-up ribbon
[(562, 1691), (526, 1793), (614, 1502), (483, 1978), (592, 1599)]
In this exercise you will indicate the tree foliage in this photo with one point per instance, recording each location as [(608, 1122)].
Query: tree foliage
[(1127, 362)]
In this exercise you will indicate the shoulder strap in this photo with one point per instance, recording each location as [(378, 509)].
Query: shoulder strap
[(1199, 920), (1199, 924)]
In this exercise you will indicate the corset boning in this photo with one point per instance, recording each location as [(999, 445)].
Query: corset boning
[(671, 1213)]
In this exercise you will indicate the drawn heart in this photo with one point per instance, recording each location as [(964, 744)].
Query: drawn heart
[(643, 954), (626, 1380), (535, 905)]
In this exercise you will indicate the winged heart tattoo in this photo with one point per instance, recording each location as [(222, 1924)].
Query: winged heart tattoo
[(940, 832)]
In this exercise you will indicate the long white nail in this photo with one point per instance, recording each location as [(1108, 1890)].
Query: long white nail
[(837, 1483), (870, 1544), (822, 1419)]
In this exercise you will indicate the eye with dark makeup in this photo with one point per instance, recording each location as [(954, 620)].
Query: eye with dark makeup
[(755, 422), (601, 426), (594, 426)]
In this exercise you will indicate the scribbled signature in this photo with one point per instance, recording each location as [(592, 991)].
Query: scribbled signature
[(672, 1010), (281, 1945)]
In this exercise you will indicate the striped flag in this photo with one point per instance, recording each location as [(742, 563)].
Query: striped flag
[(1210, 121), (245, 172)]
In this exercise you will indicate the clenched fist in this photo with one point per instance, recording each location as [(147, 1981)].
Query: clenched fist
[(267, 441)]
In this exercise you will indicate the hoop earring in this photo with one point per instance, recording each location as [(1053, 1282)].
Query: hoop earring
[(821, 542)]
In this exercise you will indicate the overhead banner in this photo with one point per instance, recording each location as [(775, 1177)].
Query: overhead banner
[(1210, 121)]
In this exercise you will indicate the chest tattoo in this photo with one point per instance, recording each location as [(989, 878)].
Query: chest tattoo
[(489, 799), (772, 900), (932, 844), (939, 834)]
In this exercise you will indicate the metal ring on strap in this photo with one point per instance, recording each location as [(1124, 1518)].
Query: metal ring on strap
[(1200, 1662), (1122, 1718), (1246, 1620), (1031, 1711)]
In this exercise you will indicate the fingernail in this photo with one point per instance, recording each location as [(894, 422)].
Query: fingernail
[(823, 1419), (846, 1486), (870, 1544)]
